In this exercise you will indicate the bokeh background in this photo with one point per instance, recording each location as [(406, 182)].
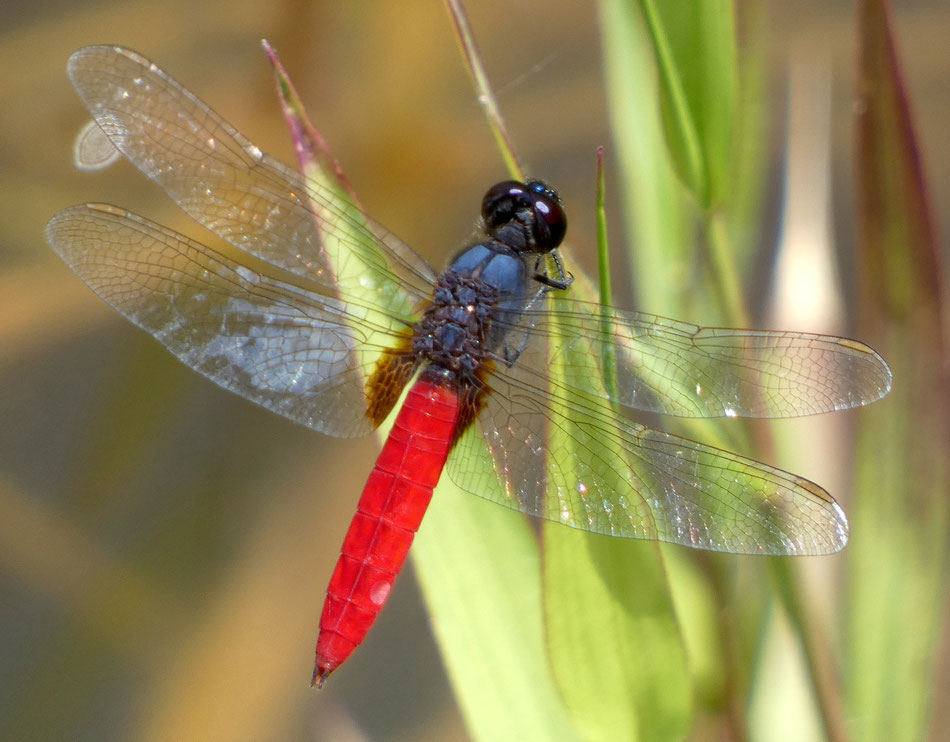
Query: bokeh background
[(164, 547)]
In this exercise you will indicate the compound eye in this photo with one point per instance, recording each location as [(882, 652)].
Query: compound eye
[(502, 201), (550, 223)]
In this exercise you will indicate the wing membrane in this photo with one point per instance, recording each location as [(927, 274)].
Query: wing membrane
[(295, 314), (676, 368), (574, 462), (269, 336), (223, 181)]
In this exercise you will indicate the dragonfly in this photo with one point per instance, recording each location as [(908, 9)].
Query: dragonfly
[(516, 388)]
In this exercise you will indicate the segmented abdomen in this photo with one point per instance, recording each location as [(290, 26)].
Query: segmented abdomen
[(390, 510)]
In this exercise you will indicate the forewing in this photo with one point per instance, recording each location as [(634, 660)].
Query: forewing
[(248, 198), (675, 368), (571, 460), (281, 341)]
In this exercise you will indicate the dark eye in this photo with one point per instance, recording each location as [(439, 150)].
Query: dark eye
[(501, 202), (505, 199), (551, 221)]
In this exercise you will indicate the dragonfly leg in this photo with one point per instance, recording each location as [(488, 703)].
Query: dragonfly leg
[(563, 280)]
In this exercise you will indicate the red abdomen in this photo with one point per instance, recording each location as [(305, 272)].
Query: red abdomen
[(390, 510)]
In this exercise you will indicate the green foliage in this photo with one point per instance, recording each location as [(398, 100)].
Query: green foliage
[(621, 633), (898, 569)]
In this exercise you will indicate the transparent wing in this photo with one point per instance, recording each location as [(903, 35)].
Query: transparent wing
[(676, 368), (279, 340), (297, 316), (551, 445), (572, 461), (227, 184)]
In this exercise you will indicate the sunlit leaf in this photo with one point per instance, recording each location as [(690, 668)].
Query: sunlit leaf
[(694, 46), (659, 240), (485, 614)]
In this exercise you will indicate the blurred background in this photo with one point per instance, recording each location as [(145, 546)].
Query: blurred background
[(164, 546)]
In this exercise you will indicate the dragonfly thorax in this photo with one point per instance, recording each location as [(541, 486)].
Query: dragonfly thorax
[(454, 326), (495, 264)]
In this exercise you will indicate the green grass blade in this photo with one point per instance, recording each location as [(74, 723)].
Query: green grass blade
[(479, 568), (685, 123), (694, 46), (486, 96), (613, 636), (478, 565), (659, 239), (612, 633), (898, 567)]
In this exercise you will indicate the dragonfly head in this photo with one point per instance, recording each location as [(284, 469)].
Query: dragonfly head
[(533, 208)]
